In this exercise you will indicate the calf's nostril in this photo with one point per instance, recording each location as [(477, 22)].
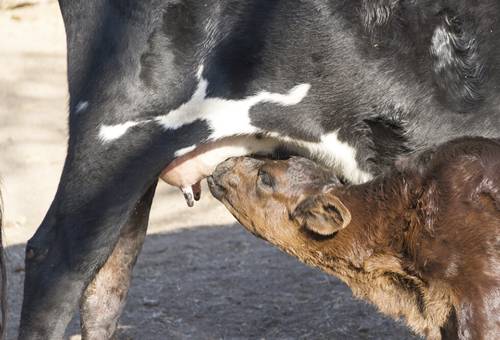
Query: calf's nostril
[(217, 190)]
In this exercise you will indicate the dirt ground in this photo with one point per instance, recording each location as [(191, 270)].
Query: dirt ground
[(200, 275)]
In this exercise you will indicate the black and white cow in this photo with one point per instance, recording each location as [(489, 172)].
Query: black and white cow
[(351, 83)]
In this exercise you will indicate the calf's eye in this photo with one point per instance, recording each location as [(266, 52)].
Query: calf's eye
[(265, 179)]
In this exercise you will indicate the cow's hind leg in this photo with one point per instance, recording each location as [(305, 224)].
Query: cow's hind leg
[(104, 299)]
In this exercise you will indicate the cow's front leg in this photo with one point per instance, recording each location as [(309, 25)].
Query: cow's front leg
[(104, 299), (98, 192)]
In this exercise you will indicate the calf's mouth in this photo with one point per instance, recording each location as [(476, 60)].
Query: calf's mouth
[(215, 181), (217, 190), (224, 178), (223, 189)]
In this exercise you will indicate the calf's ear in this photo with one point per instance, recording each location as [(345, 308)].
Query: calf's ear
[(323, 214)]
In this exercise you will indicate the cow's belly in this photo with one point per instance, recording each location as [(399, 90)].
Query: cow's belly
[(233, 134)]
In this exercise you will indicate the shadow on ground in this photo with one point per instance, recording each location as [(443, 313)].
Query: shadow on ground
[(221, 282)]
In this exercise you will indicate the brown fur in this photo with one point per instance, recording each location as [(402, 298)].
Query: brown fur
[(422, 242)]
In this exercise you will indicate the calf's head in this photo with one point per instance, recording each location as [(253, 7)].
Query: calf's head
[(283, 201)]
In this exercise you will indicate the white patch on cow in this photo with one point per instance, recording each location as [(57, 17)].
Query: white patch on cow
[(182, 152), (225, 117), (331, 152), (230, 118), (442, 48), (108, 133), (81, 106)]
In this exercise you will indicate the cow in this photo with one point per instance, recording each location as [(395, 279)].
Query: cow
[(352, 84), (420, 242)]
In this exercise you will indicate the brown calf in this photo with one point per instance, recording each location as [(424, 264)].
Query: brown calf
[(422, 242)]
